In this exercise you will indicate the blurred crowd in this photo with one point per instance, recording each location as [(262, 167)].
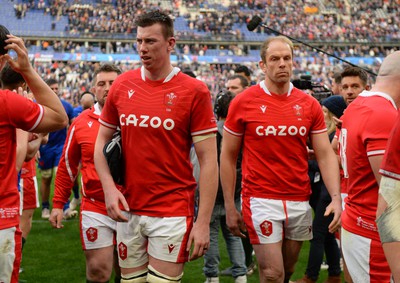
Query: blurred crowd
[(75, 77), (356, 21), (344, 21)]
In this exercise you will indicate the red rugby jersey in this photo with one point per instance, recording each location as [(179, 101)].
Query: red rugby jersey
[(367, 123), (15, 112), (275, 130), (158, 120), (391, 161), (79, 148)]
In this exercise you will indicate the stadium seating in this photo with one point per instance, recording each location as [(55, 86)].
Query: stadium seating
[(361, 31), (35, 22), (362, 21)]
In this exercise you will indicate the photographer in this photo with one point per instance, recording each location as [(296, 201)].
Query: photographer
[(218, 219)]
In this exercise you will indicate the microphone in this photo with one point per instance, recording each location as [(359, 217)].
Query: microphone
[(254, 23), (257, 21)]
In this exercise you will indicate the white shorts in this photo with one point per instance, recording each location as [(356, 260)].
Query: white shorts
[(164, 238), (97, 230), (270, 221), (10, 254), (364, 258)]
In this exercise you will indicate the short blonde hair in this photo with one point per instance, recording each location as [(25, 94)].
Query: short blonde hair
[(331, 125)]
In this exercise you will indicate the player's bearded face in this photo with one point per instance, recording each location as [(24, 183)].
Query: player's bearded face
[(351, 87), (279, 62), (103, 85), (55, 88)]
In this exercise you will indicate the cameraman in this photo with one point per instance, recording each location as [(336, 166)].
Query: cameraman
[(234, 245)]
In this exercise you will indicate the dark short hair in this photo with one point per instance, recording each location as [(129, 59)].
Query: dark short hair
[(337, 77), (356, 72), (157, 17), (106, 68), (86, 92), (51, 81), (243, 69), (9, 78), (3, 37), (243, 81)]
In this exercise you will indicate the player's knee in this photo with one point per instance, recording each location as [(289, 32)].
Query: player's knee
[(98, 272), (388, 222), (271, 275), (389, 225), (46, 173), (135, 277), (155, 276)]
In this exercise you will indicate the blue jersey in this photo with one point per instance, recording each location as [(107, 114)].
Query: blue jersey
[(58, 137), (78, 110)]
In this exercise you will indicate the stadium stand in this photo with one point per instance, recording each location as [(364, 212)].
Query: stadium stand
[(212, 35)]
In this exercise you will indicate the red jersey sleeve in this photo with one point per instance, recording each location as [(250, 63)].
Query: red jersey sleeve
[(15, 112), (22, 112), (201, 110), (234, 121), (375, 135), (391, 161), (67, 169), (318, 125)]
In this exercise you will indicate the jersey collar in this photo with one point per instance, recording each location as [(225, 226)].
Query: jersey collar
[(97, 109), (367, 93), (173, 73), (264, 87)]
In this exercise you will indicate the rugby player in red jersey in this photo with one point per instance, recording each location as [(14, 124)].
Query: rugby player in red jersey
[(367, 123), (161, 112), (97, 228), (17, 111), (273, 121)]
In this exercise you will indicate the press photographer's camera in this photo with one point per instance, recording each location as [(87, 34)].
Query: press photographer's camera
[(319, 91)]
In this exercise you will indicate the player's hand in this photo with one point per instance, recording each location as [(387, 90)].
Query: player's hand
[(56, 217), (113, 198), (44, 137), (235, 223), (311, 154), (22, 63), (21, 92), (334, 207), (33, 136), (200, 239), (338, 122)]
